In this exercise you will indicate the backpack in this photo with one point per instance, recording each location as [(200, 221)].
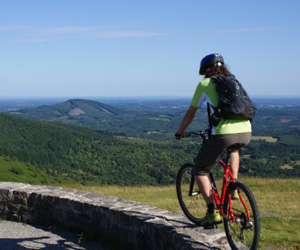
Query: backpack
[(234, 102)]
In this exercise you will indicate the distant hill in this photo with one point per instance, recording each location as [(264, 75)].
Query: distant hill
[(87, 113), (100, 116), (70, 109)]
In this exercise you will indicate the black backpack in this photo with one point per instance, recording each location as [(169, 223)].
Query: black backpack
[(234, 102)]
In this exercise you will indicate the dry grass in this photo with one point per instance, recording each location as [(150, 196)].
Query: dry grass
[(264, 138), (278, 201)]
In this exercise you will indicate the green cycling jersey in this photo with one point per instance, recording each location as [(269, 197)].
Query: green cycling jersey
[(206, 92)]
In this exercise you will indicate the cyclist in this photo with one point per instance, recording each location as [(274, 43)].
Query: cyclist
[(224, 135)]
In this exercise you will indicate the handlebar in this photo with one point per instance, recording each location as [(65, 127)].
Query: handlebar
[(203, 134)]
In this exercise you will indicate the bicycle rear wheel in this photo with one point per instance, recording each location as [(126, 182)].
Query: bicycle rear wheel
[(189, 196), (245, 231)]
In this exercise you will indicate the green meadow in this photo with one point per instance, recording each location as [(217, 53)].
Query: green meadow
[(14, 171)]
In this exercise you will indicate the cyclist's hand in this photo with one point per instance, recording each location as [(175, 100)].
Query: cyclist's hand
[(179, 136)]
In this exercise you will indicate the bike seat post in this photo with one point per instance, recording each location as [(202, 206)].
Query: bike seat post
[(228, 156)]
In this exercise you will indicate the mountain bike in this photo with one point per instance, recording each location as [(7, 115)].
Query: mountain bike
[(240, 214)]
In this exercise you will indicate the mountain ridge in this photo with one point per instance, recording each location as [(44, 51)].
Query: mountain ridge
[(68, 109), (99, 116)]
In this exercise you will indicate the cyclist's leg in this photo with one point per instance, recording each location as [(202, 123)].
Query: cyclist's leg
[(239, 141), (234, 169), (234, 163), (208, 157), (204, 185)]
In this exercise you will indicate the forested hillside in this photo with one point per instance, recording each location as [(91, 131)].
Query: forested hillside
[(88, 156), (58, 152)]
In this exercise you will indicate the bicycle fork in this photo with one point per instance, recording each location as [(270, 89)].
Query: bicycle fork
[(243, 218)]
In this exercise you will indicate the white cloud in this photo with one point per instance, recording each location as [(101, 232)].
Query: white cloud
[(242, 30), (116, 34), (27, 33), (70, 30), (13, 27)]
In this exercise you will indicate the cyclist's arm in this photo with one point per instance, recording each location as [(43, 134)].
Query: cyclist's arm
[(187, 119)]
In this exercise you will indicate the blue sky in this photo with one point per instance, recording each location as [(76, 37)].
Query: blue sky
[(64, 48)]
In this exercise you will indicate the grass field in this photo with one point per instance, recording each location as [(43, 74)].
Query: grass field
[(264, 138), (14, 171), (278, 202)]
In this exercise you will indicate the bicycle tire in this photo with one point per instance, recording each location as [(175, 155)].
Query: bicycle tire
[(190, 199), (242, 234)]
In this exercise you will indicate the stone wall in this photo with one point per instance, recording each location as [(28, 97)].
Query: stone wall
[(130, 225)]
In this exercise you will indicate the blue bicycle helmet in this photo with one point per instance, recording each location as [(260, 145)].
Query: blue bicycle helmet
[(210, 60)]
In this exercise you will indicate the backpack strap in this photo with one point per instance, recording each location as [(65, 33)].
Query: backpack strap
[(212, 117), (215, 118), (208, 116)]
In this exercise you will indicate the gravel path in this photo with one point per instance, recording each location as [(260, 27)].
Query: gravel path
[(17, 236)]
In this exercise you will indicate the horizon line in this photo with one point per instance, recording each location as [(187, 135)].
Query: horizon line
[(134, 96)]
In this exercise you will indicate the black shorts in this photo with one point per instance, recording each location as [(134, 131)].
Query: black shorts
[(213, 149)]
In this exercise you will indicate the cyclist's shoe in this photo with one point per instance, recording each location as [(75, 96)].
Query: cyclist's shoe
[(211, 218), (235, 195)]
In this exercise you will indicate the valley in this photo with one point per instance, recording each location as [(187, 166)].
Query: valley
[(89, 142)]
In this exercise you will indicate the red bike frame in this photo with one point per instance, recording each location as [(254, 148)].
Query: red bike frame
[(227, 179)]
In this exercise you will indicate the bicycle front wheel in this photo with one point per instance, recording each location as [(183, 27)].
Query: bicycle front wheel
[(244, 231), (189, 196)]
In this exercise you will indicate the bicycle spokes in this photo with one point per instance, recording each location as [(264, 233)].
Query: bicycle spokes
[(243, 219), (190, 199)]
